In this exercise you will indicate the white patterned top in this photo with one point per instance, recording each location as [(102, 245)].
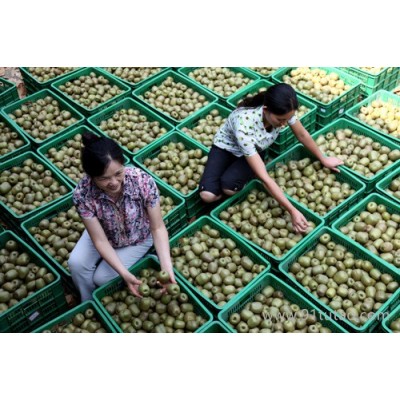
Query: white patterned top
[(244, 134)]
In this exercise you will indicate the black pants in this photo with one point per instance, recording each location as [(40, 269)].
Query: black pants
[(226, 171)]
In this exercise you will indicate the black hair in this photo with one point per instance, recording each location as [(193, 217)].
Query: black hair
[(279, 99), (98, 152)]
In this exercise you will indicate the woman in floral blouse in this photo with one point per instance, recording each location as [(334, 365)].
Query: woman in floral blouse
[(239, 147), (120, 209)]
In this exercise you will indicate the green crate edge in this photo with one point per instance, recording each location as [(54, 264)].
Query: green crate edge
[(67, 317), (363, 130), (64, 105), (37, 85), (384, 183), (191, 122), (383, 95), (328, 114), (142, 108), (237, 198), (53, 291), (354, 246), (356, 209), (10, 94), (49, 212), (177, 78), (369, 79), (216, 327), (59, 177), (387, 320), (135, 85), (83, 109), (242, 245), (25, 147), (343, 176), (294, 296), (117, 283), (248, 73), (192, 199)]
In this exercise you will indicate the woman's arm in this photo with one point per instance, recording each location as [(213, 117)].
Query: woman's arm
[(304, 137), (299, 222), (160, 238), (108, 253)]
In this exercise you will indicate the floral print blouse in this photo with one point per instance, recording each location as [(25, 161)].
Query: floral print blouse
[(244, 134), (125, 222)]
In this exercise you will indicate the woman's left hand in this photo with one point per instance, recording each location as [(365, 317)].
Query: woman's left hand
[(332, 163)]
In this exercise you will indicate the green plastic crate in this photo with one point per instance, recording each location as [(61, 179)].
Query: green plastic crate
[(240, 196), (35, 85), (359, 252), (48, 213), (391, 84), (290, 294), (17, 161), (380, 95), (357, 128), (193, 120), (194, 204), (226, 233), (86, 71), (298, 152), (391, 207), (8, 92), (131, 84), (147, 262), (41, 95), (246, 72), (95, 120), (67, 318), (384, 183), (175, 220), (389, 319), (216, 327), (326, 113), (156, 81), (25, 147), (39, 307), (263, 76), (370, 80)]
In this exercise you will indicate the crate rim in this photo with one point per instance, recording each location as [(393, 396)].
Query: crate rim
[(255, 183), (353, 245), (212, 98), (40, 95), (205, 219)]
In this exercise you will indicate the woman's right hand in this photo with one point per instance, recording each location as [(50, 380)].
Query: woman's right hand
[(133, 283), (299, 221)]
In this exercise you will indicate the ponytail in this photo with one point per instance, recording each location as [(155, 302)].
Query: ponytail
[(279, 99), (98, 152)]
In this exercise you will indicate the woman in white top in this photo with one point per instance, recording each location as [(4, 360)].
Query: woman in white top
[(239, 147)]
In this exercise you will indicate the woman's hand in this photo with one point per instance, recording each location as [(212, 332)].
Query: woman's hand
[(299, 221), (332, 163), (133, 283), (171, 275)]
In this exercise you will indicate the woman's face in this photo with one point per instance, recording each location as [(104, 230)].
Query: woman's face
[(112, 179), (278, 121)]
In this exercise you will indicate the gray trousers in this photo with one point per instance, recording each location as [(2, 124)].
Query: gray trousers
[(88, 272)]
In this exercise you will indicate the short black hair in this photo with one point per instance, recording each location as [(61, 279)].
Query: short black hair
[(98, 152)]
